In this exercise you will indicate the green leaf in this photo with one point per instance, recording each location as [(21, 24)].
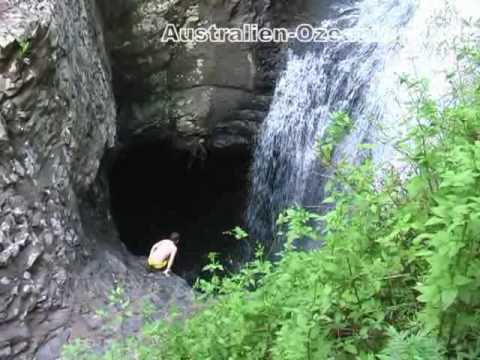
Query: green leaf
[(433, 221), (448, 297), (351, 348), (461, 280)]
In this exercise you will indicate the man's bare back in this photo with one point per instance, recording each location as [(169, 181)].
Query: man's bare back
[(163, 253)]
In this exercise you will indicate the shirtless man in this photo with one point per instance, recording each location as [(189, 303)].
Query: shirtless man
[(163, 253)]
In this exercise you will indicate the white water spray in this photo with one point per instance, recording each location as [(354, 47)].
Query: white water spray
[(407, 37)]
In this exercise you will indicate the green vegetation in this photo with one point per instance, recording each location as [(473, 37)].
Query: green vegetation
[(24, 47), (398, 276), (238, 233), (118, 304), (340, 125), (77, 350)]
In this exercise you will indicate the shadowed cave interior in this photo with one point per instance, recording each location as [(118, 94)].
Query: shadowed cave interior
[(156, 189)]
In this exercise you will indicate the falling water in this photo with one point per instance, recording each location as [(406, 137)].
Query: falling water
[(362, 78)]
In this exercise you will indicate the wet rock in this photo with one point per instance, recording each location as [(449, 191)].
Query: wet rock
[(190, 91), (48, 350), (5, 352), (57, 116), (19, 347), (14, 334), (93, 322), (3, 132)]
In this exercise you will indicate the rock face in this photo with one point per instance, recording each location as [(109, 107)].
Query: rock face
[(76, 76), (214, 94), (57, 116)]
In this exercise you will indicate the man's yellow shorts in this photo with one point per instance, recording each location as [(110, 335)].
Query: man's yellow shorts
[(158, 265)]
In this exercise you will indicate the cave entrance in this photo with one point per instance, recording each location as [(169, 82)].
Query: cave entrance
[(156, 189)]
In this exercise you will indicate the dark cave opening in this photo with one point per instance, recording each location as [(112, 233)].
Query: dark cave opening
[(156, 189)]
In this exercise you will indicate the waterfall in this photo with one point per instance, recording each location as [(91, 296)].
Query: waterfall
[(362, 78)]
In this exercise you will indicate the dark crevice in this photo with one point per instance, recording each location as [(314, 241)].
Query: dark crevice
[(157, 189)]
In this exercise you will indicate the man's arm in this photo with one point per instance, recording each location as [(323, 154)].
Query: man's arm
[(171, 259)]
